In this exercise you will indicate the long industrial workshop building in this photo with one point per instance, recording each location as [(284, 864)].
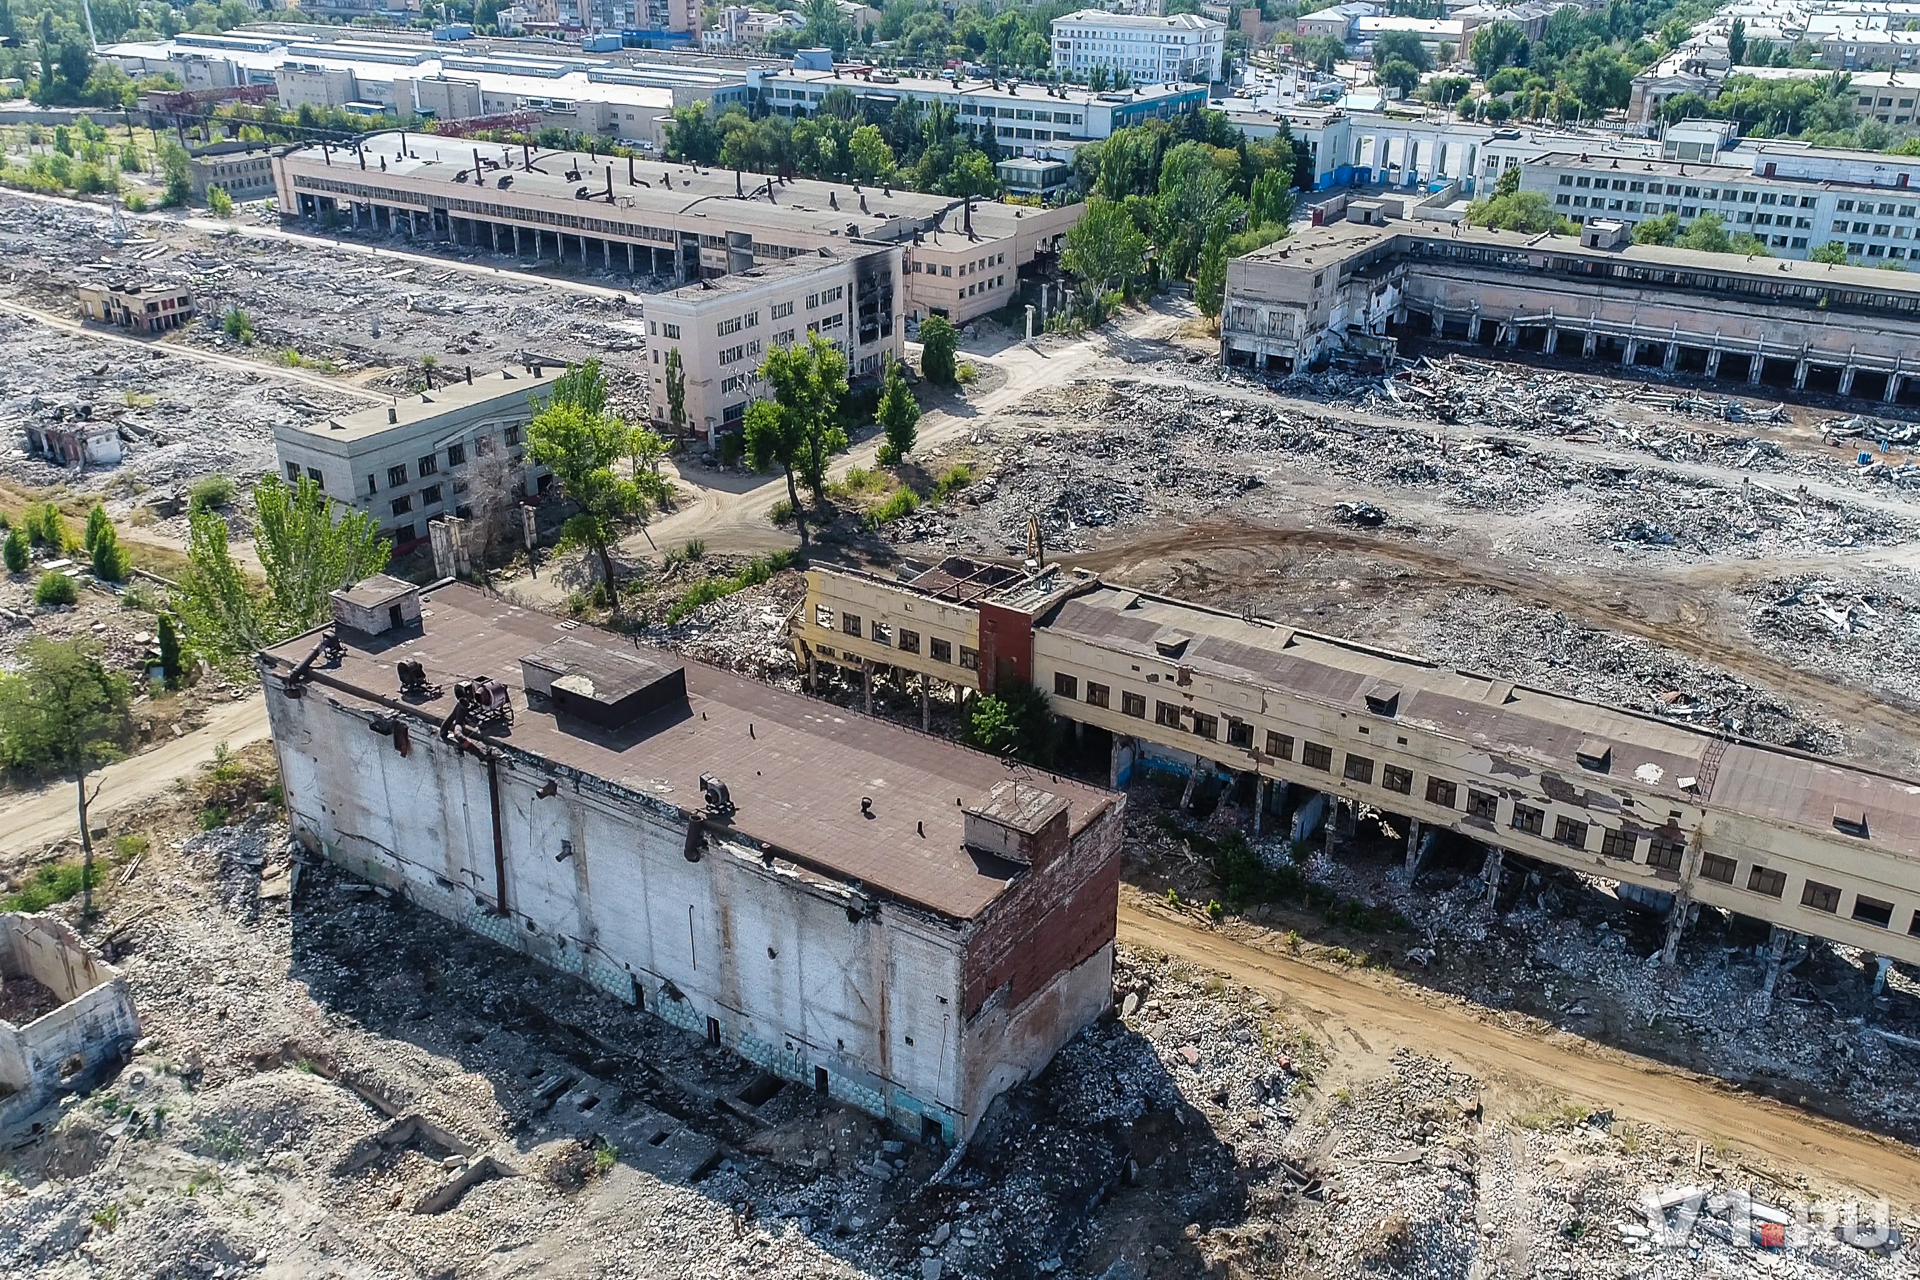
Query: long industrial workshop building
[(1809, 845), (1353, 287), (900, 923), (650, 218)]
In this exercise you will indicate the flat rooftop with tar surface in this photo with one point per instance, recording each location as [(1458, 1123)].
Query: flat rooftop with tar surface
[(797, 769)]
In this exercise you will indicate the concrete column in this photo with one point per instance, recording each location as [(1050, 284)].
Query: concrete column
[(1631, 350), (1333, 819), (1588, 342), (1439, 321), (926, 711), (1713, 362), (1846, 380), (1553, 339), (1673, 357), (866, 679), (1880, 966), (1777, 941), (1800, 374), (606, 254), (1758, 367), (813, 674), (629, 259), (1682, 912), (1473, 327), (1259, 804), (1413, 848), (1495, 864), (1893, 388)]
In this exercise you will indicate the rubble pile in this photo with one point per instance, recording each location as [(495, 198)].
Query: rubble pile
[(1146, 450), (178, 419), (1478, 629), (1868, 630)]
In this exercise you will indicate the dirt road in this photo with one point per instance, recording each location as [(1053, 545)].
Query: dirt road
[(1379, 1014), (30, 822)]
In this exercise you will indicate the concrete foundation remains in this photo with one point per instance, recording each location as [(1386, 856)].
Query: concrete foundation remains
[(75, 1015)]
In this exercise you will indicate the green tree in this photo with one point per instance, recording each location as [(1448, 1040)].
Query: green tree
[(1737, 42), (238, 325), (110, 560), (65, 715), (1399, 74), (580, 443), (1833, 251), (692, 135), (178, 173), (16, 550), (1401, 46), (96, 521), (1013, 722), (1271, 200), (219, 203), (308, 547), (1659, 230), (1522, 211), (773, 439), (898, 414), (1105, 249), (1602, 79), (808, 384), (1447, 90), (1493, 46), (169, 651), (1707, 234), (677, 391), (872, 157)]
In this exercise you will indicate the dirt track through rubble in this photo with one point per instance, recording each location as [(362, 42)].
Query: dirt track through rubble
[(1379, 1015), (1687, 622)]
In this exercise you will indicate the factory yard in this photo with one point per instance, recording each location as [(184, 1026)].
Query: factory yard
[(1389, 1077)]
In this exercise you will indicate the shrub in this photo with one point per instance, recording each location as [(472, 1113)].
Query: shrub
[(210, 492), (169, 651), (219, 203), (238, 325), (45, 528), (952, 480), (110, 560), (1015, 723), (96, 521), (55, 588), (904, 502), (15, 550), (757, 570), (136, 203), (938, 341), (53, 884), (966, 374)]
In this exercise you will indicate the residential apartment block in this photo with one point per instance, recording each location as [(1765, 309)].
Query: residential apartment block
[(1184, 47), (724, 328), (454, 450)]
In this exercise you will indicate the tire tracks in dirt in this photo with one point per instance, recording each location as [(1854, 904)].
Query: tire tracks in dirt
[(1386, 1014)]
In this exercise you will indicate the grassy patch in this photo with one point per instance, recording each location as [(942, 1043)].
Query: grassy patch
[(53, 884), (951, 481), (859, 482), (718, 587), (904, 502)]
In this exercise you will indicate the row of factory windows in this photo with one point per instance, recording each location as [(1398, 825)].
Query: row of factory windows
[(884, 633), (1664, 852)]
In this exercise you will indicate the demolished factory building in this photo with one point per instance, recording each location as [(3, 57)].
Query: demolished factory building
[(1810, 845), (905, 925)]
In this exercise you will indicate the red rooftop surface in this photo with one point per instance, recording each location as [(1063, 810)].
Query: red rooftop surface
[(797, 768)]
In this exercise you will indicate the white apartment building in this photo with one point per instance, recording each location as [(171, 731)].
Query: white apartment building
[(448, 451), (1149, 50), (723, 329)]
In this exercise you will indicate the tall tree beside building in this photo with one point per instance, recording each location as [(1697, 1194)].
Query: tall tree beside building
[(1737, 42), (808, 384), (938, 343), (898, 415), (1494, 45), (1105, 250), (580, 446), (677, 391), (307, 548), (773, 440), (65, 715)]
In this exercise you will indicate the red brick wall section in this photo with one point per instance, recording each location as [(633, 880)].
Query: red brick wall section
[(1051, 919), (1006, 637)]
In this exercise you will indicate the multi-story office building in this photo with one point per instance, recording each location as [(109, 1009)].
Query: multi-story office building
[(724, 328), (1148, 50), (454, 450)]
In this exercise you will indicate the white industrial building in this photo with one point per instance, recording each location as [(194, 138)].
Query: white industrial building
[(896, 922), (1184, 47), (452, 450), (724, 328)]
